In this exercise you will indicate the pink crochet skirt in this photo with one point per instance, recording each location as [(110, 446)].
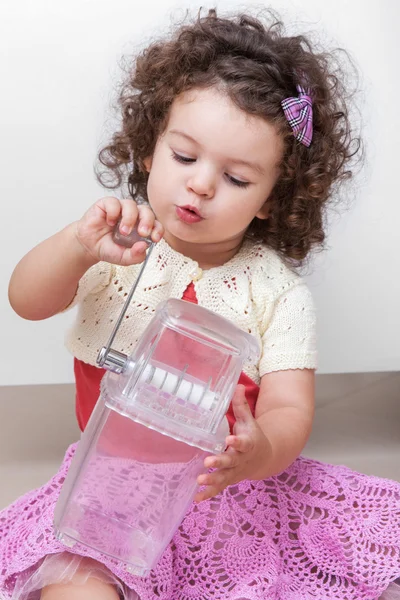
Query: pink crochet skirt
[(315, 531)]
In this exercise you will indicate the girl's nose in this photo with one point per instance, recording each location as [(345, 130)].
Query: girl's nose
[(202, 182)]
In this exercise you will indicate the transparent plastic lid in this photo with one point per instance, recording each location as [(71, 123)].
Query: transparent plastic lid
[(182, 374)]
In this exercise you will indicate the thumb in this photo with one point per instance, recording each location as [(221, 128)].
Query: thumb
[(241, 408)]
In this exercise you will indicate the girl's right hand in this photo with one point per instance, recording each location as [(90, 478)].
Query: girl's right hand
[(94, 231)]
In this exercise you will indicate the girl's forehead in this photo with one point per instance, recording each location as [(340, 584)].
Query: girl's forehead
[(210, 105), (208, 119)]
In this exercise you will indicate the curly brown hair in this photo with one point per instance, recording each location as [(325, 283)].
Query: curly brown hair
[(258, 66)]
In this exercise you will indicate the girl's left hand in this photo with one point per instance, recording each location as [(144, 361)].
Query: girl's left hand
[(246, 457)]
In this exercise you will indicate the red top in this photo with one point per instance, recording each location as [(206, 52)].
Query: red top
[(88, 380)]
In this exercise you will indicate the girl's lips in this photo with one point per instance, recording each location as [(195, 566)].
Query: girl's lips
[(188, 215)]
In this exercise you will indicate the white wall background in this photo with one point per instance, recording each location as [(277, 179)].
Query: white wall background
[(58, 64)]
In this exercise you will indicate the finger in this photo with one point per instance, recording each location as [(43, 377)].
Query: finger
[(241, 443), (129, 216), (146, 220), (240, 406), (137, 253), (158, 232), (112, 209), (214, 483), (222, 461), (217, 480), (207, 493)]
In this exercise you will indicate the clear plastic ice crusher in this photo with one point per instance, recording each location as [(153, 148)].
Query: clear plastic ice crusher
[(161, 411)]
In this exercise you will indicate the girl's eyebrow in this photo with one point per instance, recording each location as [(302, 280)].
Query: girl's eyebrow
[(254, 166)]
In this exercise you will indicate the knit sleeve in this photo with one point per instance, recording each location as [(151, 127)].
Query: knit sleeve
[(95, 279), (289, 341)]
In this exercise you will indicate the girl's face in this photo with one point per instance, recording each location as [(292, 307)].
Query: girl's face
[(212, 171)]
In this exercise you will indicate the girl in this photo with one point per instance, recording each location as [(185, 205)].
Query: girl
[(235, 134)]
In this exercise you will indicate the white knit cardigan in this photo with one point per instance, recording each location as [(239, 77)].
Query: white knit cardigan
[(255, 290)]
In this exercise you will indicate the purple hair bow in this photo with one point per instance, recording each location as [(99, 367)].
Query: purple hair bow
[(298, 112)]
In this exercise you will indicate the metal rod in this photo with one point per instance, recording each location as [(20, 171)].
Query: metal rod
[(102, 357)]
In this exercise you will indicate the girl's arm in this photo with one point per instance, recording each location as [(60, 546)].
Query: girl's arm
[(45, 281), (264, 446), (285, 413)]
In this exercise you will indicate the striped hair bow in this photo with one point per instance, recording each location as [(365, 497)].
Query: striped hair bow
[(298, 112)]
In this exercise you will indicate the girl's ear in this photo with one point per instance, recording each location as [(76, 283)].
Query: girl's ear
[(264, 211), (147, 163)]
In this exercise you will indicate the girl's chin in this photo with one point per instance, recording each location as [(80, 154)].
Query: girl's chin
[(176, 236)]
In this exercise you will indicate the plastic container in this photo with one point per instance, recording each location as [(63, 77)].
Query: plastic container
[(134, 472)]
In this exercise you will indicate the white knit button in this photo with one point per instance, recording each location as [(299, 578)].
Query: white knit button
[(197, 274)]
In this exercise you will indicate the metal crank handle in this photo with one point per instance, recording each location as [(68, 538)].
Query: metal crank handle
[(108, 358)]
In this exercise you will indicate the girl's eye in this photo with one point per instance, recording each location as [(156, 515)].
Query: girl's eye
[(185, 160), (237, 182), (182, 159)]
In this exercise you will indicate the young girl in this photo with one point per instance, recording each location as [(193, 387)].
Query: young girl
[(235, 134)]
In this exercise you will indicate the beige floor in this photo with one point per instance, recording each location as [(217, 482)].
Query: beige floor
[(357, 423)]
